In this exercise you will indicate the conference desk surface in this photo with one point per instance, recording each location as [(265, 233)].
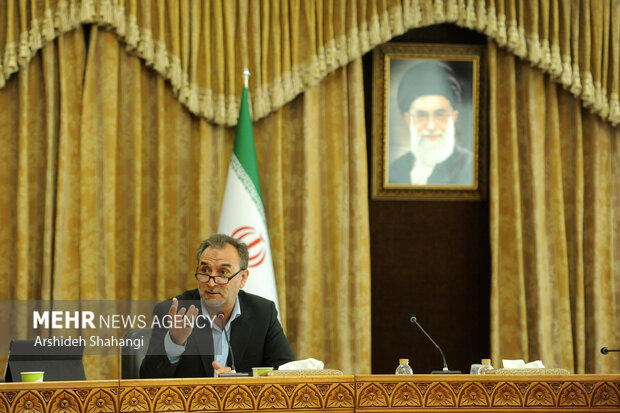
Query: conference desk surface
[(361, 393)]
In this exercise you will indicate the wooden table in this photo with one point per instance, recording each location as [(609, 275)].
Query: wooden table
[(488, 393), (362, 393)]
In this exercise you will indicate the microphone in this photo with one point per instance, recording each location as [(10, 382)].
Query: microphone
[(413, 320), (233, 373), (606, 350)]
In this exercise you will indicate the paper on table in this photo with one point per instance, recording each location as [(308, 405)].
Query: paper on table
[(520, 364), (535, 365), (307, 364)]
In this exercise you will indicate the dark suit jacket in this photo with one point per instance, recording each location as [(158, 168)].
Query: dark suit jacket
[(256, 337), (456, 170)]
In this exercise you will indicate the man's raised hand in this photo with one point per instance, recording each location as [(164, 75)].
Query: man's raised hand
[(181, 322)]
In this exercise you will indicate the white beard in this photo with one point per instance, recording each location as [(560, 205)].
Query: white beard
[(432, 152)]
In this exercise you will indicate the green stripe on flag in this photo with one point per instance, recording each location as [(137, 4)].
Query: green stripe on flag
[(244, 142)]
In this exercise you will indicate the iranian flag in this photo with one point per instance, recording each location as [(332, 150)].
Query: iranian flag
[(243, 215)]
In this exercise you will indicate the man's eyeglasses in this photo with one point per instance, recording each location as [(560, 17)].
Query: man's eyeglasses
[(205, 277), (421, 117)]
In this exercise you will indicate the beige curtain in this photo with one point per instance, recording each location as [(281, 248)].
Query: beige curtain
[(555, 230), (140, 183), (291, 45), (39, 113), (313, 154)]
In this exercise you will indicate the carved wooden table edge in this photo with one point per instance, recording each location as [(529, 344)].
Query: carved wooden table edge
[(366, 393), (95, 396), (330, 393), (574, 392)]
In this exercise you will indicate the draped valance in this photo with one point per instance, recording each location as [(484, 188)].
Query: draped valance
[(201, 47)]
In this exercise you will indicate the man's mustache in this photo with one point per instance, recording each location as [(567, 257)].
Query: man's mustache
[(431, 133)]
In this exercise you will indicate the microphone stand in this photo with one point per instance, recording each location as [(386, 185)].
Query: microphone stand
[(412, 319), (233, 372), (606, 350)]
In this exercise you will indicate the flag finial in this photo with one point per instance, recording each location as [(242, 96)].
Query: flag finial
[(246, 76)]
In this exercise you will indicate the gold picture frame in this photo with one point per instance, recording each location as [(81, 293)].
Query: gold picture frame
[(429, 103)]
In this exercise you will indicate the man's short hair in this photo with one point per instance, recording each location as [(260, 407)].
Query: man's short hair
[(428, 77), (219, 241)]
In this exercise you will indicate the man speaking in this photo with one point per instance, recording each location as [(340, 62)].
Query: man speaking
[(192, 342), (429, 95)]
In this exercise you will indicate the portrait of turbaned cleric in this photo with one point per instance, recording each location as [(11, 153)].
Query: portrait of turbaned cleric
[(431, 123)]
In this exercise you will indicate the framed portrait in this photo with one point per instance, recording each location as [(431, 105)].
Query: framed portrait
[(428, 118)]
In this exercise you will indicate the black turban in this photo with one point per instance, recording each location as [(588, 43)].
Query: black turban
[(428, 77)]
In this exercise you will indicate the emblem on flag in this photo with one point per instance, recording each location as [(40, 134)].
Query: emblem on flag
[(255, 242)]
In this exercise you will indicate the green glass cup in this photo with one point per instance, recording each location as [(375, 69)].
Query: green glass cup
[(257, 371), (32, 376)]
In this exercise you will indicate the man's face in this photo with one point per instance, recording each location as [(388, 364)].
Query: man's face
[(222, 261), (431, 125)]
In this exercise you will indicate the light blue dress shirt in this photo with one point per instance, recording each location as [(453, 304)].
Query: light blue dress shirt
[(220, 346)]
